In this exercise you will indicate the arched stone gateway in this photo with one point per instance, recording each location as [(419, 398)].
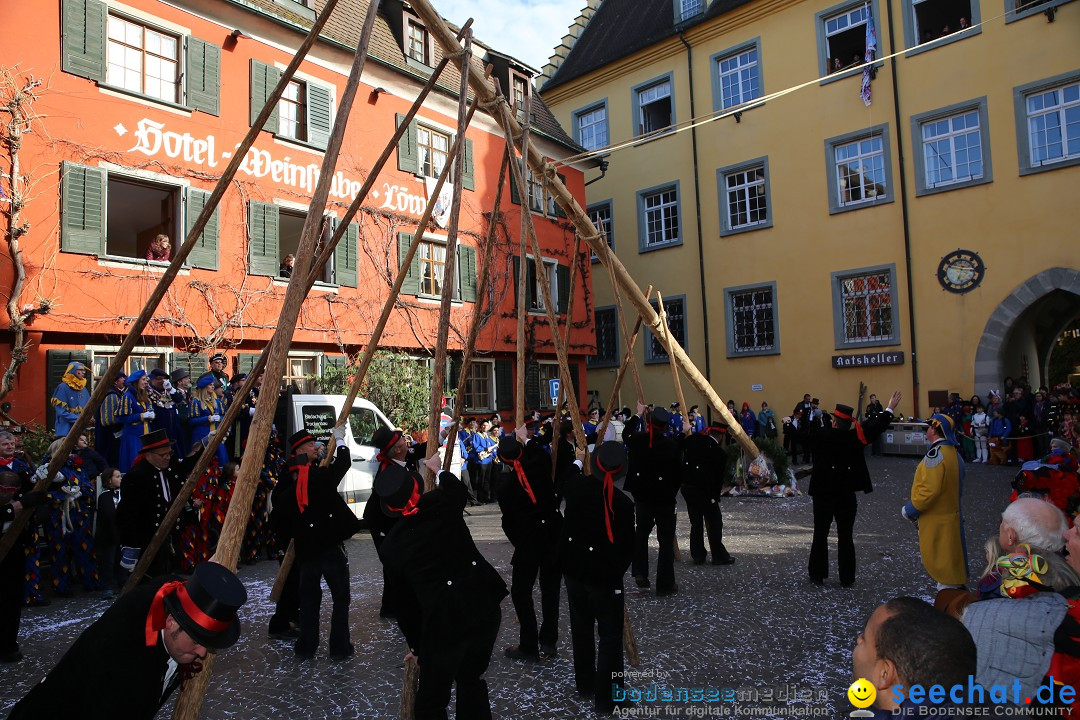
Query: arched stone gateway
[(1025, 325)]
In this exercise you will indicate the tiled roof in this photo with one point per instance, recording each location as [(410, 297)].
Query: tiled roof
[(345, 25), (622, 27)]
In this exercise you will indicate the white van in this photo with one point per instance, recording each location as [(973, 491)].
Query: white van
[(319, 413)]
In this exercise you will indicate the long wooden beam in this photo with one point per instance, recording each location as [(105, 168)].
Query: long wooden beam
[(521, 182), (105, 382), (445, 37), (236, 520), (438, 382)]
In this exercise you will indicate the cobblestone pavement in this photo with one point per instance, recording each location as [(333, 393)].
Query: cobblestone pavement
[(757, 627)]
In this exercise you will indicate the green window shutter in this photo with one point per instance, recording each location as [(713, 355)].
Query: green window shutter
[(408, 155), (504, 385), (514, 281), (532, 387), (345, 257), (574, 379), (562, 282), (515, 196), (83, 25), (320, 115), (453, 371), (56, 362), (411, 286), (245, 362), (467, 272), (468, 174), (264, 79), (263, 238), (82, 211), (530, 287), (205, 253), (203, 76), (195, 363), (558, 208)]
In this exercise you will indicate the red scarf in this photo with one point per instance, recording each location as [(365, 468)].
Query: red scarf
[(609, 496), (6, 461), (409, 508), (523, 480), (155, 619), (301, 485), (858, 427)]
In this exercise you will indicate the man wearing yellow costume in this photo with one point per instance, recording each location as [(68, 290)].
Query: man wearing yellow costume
[(70, 397), (935, 505)]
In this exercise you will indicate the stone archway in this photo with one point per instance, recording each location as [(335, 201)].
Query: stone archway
[(1055, 291)]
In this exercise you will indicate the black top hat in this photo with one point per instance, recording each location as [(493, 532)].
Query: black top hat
[(660, 417), (155, 439), (299, 438), (179, 374), (844, 412), (394, 485), (509, 449), (609, 457), (385, 437), (238, 377), (205, 606)]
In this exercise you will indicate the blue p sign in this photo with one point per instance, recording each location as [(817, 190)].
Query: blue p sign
[(553, 388)]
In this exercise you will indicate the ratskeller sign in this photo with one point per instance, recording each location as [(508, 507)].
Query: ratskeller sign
[(868, 359)]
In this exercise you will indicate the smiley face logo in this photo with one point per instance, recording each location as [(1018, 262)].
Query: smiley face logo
[(862, 693)]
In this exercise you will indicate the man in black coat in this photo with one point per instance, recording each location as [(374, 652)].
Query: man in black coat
[(132, 658), (321, 522), (449, 595), (653, 480), (839, 472), (595, 551), (396, 457), (531, 521), (703, 462), (146, 492)]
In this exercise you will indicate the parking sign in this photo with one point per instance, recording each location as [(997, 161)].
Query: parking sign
[(553, 388)]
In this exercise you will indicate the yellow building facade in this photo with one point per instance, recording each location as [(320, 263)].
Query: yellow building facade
[(926, 241)]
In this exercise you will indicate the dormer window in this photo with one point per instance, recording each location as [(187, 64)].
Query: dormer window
[(519, 90), (688, 9), (416, 42)]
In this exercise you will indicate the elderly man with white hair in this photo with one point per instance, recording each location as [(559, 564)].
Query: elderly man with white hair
[(1032, 521)]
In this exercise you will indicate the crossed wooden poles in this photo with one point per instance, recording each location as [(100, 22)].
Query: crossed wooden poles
[(311, 259)]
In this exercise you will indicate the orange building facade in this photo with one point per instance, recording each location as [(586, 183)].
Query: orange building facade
[(141, 106)]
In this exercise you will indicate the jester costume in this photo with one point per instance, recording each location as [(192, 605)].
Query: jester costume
[(69, 398), (17, 464), (69, 529), (259, 538), (129, 414)]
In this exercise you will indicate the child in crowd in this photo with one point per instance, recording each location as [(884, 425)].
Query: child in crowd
[(106, 537)]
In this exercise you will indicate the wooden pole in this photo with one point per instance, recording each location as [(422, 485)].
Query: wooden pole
[(408, 689), (628, 358), (449, 269), (232, 533), (622, 321), (520, 180), (678, 384), (445, 37), (474, 328), (566, 343), (545, 286), (232, 412), (105, 382)]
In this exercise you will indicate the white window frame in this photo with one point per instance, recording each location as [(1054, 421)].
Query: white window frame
[(648, 93), (976, 108), (759, 187), (285, 106), (178, 38), (492, 400), (551, 267), (749, 88), (598, 114), (1061, 84), (644, 210)]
